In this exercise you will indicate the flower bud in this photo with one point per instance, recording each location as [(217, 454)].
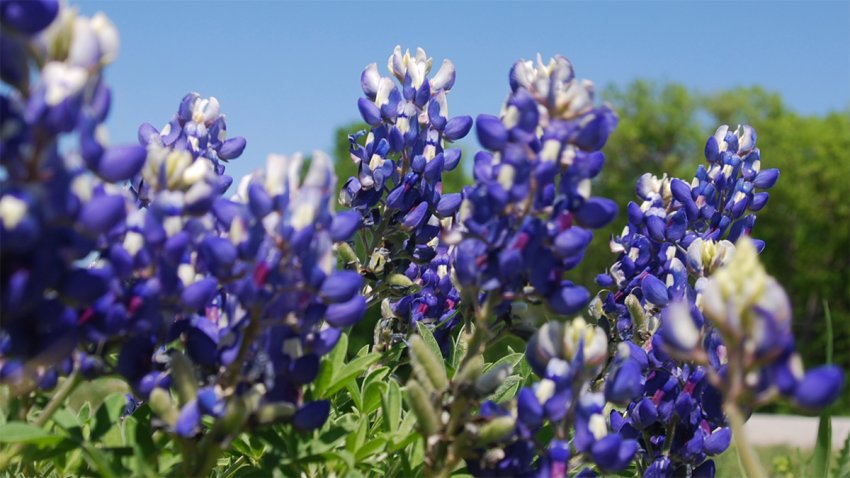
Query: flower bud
[(162, 406), (496, 430), (490, 381), (422, 408), (184, 377), (427, 367)]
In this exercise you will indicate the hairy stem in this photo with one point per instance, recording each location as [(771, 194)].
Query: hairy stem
[(749, 459)]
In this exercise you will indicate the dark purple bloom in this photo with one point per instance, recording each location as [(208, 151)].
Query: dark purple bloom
[(346, 313), (312, 415), (28, 16)]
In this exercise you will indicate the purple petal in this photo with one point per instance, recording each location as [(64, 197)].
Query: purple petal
[(346, 313), (232, 148), (259, 200), (341, 286), (491, 132), (458, 127), (572, 242), (449, 204), (102, 213), (188, 420), (344, 225), (654, 290), (416, 216), (569, 299), (626, 383), (452, 158), (120, 163), (29, 16), (597, 212), (819, 387), (199, 294), (766, 178), (718, 442), (369, 111), (326, 340), (312, 415)]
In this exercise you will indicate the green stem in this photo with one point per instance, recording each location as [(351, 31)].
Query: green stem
[(58, 399), (231, 470), (749, 459)]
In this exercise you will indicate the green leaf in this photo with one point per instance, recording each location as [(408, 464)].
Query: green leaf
[(370, 448), (507, 390), (331, 362), (350, 372), (391, 406), (372, 396), (85, 412), (354, 394), (108, 415), (356, 440), (512, 359), (20, 432), (429, 339)]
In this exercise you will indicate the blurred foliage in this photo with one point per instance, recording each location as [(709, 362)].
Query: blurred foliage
[(806, 224)]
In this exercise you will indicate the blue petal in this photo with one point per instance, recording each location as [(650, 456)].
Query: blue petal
[(819, 387), (718, 442), (312, 415), (458, 127), (369, 111), (416, 216), (232, 148), (259, 200), (120, 163), (449, 204), (569, 299), (341, 286), (572, 242), (491, 132), (766, 178), (597, 212), (29, 16), (200, 294), (452, 158), (102, 213), (529, 410), (344, 225), (346, 313), (188, 420)]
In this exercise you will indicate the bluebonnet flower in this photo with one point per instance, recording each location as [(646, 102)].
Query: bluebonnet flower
[(58, 206), (756, 358), (528, 218), (251, 295), (435, 303), (567, 357), (398, 189)]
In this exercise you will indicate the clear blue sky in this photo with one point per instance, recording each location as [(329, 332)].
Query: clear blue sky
[(287, 74)]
